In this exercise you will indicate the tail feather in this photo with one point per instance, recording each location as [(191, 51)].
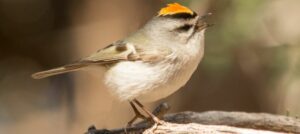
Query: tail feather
[(57, 71)]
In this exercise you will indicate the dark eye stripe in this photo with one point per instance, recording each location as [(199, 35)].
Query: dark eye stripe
[(185, 27)]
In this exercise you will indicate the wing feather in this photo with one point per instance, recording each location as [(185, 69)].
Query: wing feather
[(116, 52)]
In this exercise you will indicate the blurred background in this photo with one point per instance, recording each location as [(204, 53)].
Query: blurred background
[(252, 61)]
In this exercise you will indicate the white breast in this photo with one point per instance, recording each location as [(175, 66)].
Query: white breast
[(150, 82)]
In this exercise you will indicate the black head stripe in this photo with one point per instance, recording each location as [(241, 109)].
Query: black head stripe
[(184, 28), (182, 15)]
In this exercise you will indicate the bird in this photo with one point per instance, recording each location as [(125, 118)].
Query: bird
[(153, 62)]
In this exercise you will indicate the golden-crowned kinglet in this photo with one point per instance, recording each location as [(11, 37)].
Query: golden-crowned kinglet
[(153, 62)]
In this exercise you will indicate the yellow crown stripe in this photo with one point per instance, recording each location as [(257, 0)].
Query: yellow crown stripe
[(174, 9)]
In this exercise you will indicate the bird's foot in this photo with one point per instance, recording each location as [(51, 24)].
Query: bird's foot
[(154, 117), (137, 115), (164, 108)]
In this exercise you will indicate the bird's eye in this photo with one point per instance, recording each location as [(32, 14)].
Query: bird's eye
[(184, 28)]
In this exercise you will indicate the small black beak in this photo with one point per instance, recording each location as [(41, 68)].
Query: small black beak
[(201, 23)]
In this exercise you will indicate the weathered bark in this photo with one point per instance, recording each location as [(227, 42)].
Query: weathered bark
[(239, 119), (215, 122), (193, 128)]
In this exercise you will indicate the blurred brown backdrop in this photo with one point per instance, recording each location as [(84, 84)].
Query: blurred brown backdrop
[(252, 61)]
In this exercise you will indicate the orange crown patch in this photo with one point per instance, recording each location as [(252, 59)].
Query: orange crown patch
[(174, 9)]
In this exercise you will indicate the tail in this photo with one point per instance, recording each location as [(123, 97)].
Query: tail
[(57, 71)]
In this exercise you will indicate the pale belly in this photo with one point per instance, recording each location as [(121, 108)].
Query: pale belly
[(146, 82)]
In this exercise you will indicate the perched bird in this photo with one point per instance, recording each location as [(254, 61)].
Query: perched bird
[(153, 62)]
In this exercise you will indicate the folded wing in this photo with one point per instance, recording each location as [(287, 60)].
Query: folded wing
[(116, 52)]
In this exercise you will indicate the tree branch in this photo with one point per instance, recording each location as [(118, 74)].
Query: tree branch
[(239, 119), (215, 121), (193, 128)]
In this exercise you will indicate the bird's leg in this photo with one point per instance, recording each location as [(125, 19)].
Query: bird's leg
[(137, 114), (152, 116)]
